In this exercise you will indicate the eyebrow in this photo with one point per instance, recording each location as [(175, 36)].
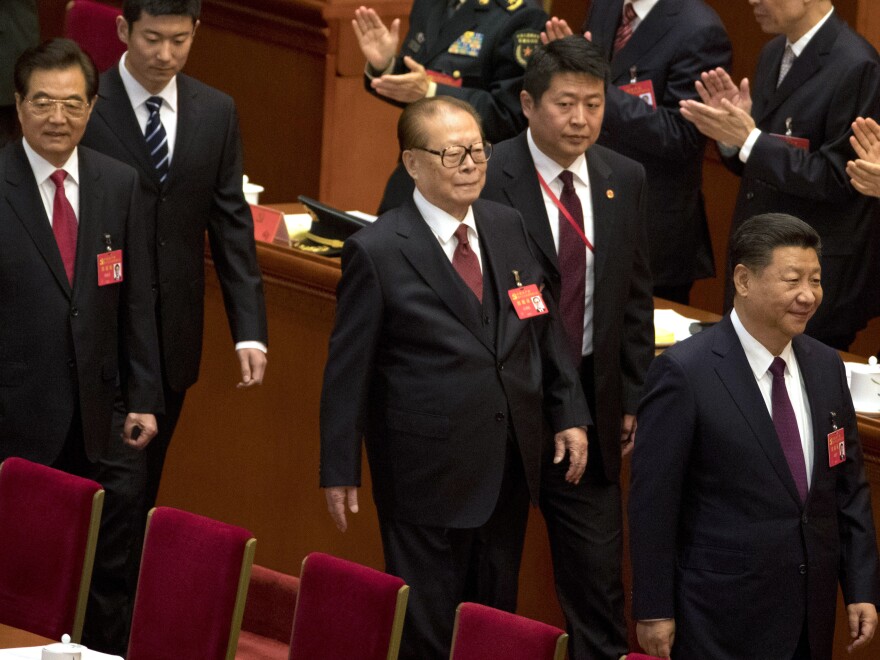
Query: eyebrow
[(46, 95)]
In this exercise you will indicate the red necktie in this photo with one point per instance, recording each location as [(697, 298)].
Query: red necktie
[(572, 266), (786, 427), (64, 224), (465, 263), (625, 31)]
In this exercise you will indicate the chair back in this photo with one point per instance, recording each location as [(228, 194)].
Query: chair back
[(49, 524), (268, 615), (191, 588), (484, 632), (92, 25), (641, 656), (345, 610)]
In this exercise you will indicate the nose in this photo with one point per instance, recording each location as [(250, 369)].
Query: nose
[(579, 116), (164, 52), (808, 294), (57, 114)]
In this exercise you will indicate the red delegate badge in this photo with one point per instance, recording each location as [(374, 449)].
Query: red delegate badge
[(644, 90), (796, 142), (110, 268), (836, 448), (527, 301)]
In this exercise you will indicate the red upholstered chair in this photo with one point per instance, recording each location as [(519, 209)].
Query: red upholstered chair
[(345, 610), (92, 25), (484, 632), (48, 528), (641, 656), (268, 616), (191, 589)]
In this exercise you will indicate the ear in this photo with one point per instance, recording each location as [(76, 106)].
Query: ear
[(741, 280), (122, 29), (527, 103), (195, 27), (411, 163)]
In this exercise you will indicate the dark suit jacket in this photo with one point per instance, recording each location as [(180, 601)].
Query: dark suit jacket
[(19, 29), (835, 80), (203, 191), (62, 350), (719, 537), (678, 40), (623, 325), (435, 385)]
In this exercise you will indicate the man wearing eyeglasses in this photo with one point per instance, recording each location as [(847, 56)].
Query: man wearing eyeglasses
[(69, 331), (443, 363)]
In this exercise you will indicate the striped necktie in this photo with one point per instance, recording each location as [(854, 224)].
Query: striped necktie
[(788, 58), (625, 31), (157, 139)]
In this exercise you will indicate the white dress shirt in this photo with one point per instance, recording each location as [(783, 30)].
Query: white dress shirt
[(550, 170), (444, 226), (138, 96), (642, 9), (43, 169)]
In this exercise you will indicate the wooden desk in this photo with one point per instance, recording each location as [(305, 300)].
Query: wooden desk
[(13, 638)]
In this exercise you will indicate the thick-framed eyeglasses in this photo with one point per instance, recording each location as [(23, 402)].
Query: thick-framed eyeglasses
[(454, 155), (43, 107)]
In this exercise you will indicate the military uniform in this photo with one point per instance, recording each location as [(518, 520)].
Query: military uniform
[(477, 54)]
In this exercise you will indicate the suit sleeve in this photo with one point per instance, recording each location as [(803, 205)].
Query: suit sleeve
[(667, 423), (664, 133), (353, 345), (637, 346), (231, 234)]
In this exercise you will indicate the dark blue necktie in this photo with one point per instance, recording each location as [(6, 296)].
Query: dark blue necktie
[(157, 139)]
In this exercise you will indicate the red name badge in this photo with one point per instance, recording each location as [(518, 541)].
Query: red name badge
[(644, 89), (268, 224), (796, 142), (110, 268), (836, 448), (527, 301), (442, 78)]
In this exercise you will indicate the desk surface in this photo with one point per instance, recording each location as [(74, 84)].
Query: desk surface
[(11, 638)]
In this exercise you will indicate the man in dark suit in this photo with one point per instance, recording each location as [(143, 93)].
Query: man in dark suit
[(69, 333), (474, 50), (610, 319), (743, 518), (19, 29), (657, 48), (448, 379), (787, 137), (183, 138)]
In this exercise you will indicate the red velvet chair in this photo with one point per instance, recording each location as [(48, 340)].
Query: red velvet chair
[(641, 656), (345, 610), (484, 632), (268, 615), (92, 25), (48, 528), (191, 589)]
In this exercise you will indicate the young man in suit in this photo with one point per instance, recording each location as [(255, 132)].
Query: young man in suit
[(450, 382), (657, 48), (183, 138), (604, 294), (743, 519), (787, 136), (69, 332)]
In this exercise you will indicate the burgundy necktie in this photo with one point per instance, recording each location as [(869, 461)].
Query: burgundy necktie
[(787, 428), (64, 224), (465, 263), (572, 267), (625, 31)]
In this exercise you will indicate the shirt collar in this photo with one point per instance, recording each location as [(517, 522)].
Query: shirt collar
[(799, 45), (138, 95), (441, 223), (43, 169), (550, 169), (643, 7), (758, 356)]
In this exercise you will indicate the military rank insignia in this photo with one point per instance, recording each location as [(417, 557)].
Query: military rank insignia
[(468, 44), (524, 43), (513, 5)]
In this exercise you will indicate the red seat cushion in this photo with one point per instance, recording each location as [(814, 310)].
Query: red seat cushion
[(484, 632), (93, 26)]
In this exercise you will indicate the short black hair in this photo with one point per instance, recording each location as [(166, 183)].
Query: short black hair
[(410, 125), (753, 242), (132, 9), (55, 54), (572, 54)]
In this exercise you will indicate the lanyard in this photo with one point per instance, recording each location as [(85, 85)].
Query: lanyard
[(565, 213)]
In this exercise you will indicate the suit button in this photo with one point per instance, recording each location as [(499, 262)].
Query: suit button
[(485, 320), (74, 311), (804, 519), (162, 243), (71, 363), (802, 569), (500, 366), (499, 417), (750, 195)]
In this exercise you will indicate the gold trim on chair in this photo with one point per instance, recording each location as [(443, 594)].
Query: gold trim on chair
[(82, 598), (244, 579), (397, 624)]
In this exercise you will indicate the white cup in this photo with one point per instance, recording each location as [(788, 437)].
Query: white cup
[(251, 190)]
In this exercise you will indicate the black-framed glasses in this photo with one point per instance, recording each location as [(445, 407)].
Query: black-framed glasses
[(454, 155), (43, 107)]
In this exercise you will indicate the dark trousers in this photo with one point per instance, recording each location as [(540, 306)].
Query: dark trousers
[(444, 567), (585, 527), (131, 482)]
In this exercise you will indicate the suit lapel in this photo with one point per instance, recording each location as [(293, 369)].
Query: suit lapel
[(655, 26), (734, 371), (91, 204), (604, 26), (604, 213), (187, 126), (500, 272), (421, 249), (24, 198), (463, 20)]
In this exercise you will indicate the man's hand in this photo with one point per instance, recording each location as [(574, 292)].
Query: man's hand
[(862, 624), (727, 124), (148, 429), (403, 87), (864, 176), (573, 440), (716, 85), (377, 42), (627, 434), (253, 366), (337, 497), (865, 139), (656, 637)]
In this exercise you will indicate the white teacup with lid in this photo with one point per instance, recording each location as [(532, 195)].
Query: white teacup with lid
[(63, 650), (865, 386)]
